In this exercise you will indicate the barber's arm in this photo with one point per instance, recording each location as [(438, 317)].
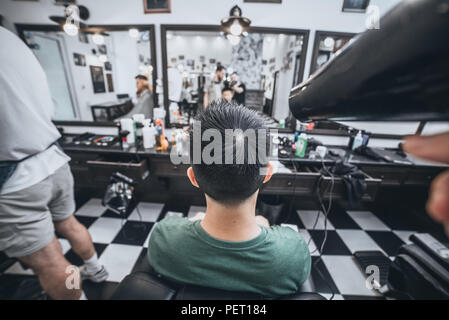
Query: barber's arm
[(435, 148), (237, 88), (206, 99)]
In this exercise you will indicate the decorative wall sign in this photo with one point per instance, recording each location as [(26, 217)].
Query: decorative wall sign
[(79, 59), (97, 79), (156, 6)]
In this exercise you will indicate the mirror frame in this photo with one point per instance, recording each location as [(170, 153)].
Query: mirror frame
[(316, 44), (217, 28), (21, 28)]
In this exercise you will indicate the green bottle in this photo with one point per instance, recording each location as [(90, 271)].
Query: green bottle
[(301, 146)]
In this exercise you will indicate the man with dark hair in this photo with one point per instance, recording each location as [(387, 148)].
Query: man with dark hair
[(213, 91), (227, 94), (229, 247), (144, 98)]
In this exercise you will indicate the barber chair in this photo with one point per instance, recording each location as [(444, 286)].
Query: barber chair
[(144, 284)]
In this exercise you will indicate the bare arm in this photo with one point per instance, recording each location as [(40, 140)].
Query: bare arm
[(434, 148), (206, 100)]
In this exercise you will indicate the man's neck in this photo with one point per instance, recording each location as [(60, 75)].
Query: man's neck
[(236, 223)]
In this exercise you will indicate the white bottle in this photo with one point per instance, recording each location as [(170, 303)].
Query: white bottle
[(149, 139), (358, 141)]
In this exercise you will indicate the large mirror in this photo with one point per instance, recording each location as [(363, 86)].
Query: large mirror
[(101, 74), (201, 64), (326, 46)]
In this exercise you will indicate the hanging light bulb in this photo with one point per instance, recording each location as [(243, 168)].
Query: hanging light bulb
[(329, 42), (71, 29), (235, 24), (236, 28), (103, 58), (233, 39), (98, 39), (133, 33)]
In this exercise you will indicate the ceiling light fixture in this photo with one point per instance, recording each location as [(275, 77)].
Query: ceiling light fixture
[(235, 25), (71, 29), (329, 42), (71, 22), (133, 33)]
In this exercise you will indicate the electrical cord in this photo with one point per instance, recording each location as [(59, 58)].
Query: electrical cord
[(292, 198), (325, 212), (141, 226)]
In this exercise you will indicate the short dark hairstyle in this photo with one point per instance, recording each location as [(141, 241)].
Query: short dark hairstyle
[(226, 89), (230, 184), (142, 77), (219, 68)]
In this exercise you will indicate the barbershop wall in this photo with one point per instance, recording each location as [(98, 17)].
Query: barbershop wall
[(299, 14), (312, 15), (193, 47)]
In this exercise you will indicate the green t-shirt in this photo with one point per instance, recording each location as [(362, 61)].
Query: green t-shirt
[(273, 264)]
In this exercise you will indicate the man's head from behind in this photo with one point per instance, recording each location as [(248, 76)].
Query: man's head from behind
[(231, 155)]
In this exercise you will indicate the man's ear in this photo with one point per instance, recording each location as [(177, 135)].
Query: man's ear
[(269, 172), (192, 178)]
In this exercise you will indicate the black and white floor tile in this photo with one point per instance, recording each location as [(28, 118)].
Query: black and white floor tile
[(122, 242)]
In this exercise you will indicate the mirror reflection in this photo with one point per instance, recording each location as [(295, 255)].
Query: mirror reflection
[(257, 70), (96, 76), (326, 46)]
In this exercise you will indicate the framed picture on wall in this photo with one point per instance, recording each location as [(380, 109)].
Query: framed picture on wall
[(97, 79), (355, 5), (82, 37), (102, 49), (79, 59), (156, 6), (110, 82), (107, 66)]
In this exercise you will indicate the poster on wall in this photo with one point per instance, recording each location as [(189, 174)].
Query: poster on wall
[(110, 82), (82, 37), (190, 63), (102, 49), (97, 79), (156, 6), (79, 59), (107, 66)]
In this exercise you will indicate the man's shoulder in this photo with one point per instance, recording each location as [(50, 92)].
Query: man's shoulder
[(173, 222), (288, 241)]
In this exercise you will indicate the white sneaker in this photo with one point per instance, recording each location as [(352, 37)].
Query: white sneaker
[(98, 276)]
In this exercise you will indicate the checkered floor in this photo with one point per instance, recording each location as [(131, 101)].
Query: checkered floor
[(122, 243)]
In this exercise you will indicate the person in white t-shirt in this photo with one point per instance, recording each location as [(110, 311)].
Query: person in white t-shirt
[(36, 184)]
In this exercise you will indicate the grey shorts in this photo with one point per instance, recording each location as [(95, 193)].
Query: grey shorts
[(26, 216)]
